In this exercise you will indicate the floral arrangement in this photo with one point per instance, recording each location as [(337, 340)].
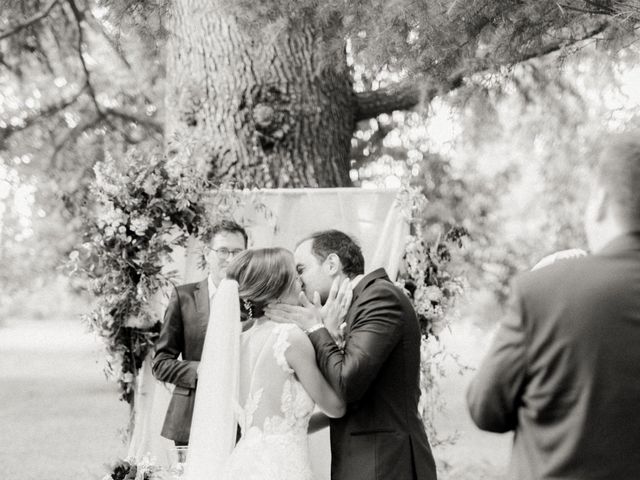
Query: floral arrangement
[(128, 469), (433, 289), (427, 278), (145, 207)]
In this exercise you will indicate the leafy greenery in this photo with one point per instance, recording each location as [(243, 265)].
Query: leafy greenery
[(144, 209), (88, 77)]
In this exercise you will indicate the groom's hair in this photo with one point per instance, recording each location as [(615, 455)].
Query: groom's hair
[(618, 172), (326, 242)]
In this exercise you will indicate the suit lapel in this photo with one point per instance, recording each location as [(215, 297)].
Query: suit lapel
[(360, 287), (201, 297)]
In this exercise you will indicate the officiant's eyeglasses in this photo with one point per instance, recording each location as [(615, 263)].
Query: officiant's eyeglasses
[(223, 253)]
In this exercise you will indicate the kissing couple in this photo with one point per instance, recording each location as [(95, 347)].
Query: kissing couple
[(316, 332)]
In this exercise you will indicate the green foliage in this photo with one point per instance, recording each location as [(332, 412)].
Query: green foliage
[(51, 132), (433, 287), (507, 157), (144, 208), (427, 276), (439, 39), (31, 240)]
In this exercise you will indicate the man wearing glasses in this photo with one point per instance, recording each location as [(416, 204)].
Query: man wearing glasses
[(184, 327)]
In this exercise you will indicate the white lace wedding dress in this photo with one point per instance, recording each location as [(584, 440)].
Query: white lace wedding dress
[(273, 411)]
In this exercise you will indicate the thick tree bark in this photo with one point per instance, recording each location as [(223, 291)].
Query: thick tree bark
[(268, 112)]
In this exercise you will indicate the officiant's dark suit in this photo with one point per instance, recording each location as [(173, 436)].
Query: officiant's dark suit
[(381, 436), (179, 346), (564, 369), (182, 335)]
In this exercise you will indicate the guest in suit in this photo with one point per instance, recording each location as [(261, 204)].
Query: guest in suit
[(563, 372), (377, 368), (179, 347)]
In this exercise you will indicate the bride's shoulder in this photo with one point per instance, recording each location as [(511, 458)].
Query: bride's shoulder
[(290, 334), (288, 331), (297, 339)]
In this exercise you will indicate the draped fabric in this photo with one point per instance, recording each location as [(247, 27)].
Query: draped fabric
[(213, 433), (281, 218)]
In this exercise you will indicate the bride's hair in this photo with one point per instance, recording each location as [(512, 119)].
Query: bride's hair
[(263, 275)]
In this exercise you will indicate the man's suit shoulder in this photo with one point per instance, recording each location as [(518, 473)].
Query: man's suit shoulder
[(568, 280), (382, 287), (560, 273), (382, 291), (188, 287)]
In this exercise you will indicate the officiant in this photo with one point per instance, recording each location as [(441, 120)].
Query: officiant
[(179, 347)]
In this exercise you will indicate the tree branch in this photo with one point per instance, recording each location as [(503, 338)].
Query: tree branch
[(71, 135), (98, 26), (29, 21), (52, 109), (132, 117), (401, 96), (560, 44), (79, 17), (409, 93), (105, 112)]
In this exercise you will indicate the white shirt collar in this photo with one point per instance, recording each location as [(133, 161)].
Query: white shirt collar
[(212, 286), (356, 280)]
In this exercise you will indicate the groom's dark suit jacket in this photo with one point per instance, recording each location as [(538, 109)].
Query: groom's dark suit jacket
[(381, 436), (564, 369), (182, 334)]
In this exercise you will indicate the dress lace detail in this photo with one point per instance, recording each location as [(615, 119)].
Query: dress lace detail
[(245, 415), (276, 412), (280, 346)]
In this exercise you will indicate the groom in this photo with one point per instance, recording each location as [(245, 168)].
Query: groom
[(564, 368), (179, 347), (376, 371)]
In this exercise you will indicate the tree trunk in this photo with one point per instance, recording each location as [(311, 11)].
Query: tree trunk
[(268, 112)]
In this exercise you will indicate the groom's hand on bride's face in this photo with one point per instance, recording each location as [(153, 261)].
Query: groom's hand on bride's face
[(305, 315), (335, 308)]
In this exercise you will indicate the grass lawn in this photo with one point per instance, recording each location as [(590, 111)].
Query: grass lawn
[(60, 419), (475, 455)]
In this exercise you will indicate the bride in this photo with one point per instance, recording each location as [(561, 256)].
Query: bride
[(264, 380)]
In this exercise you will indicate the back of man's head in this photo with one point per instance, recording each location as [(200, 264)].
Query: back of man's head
[(618, 172), (348, 251)]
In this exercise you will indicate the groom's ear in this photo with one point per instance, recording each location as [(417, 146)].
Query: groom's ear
[(334, 265)]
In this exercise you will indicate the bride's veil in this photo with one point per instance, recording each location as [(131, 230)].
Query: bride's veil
[(213, 428)]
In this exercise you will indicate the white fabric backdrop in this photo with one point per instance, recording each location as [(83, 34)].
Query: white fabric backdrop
[(372, 217)]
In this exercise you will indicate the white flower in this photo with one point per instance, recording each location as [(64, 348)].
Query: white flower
[(150, 184), (108, 179), (109, 215), (438, 324), (137, 321), (128, 377), (73, 256), (140, 225), (433, 293), (174, 167)]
